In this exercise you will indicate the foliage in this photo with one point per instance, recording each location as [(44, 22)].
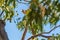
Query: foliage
[(7, 6), (40, 12), (56, 37)]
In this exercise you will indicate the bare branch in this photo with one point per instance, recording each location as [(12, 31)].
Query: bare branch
[(25, 31), (44, 33), (52, 29), (39, 35)]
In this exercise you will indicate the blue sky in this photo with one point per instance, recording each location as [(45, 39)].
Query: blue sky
[(11, 28), (15, 34)]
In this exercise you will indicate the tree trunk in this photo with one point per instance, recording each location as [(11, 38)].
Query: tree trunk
[(3, 34)]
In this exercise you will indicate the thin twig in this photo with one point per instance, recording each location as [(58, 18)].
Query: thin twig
[(52, 29), (1, 13), (44, 33)]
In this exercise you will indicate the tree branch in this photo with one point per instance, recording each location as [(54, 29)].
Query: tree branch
[(25, 31), (44, 33), (52, 29), (39, 35)]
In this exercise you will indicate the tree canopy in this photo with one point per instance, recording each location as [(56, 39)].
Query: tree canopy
[(7, 9), (39, 13)]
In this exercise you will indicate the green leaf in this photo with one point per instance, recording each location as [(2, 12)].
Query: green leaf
[(20, 26), (14, 3)]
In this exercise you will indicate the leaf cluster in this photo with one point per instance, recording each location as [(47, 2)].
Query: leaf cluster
[(41, 13)]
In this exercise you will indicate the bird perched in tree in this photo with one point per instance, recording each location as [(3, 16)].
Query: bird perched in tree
[(26, 11)]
